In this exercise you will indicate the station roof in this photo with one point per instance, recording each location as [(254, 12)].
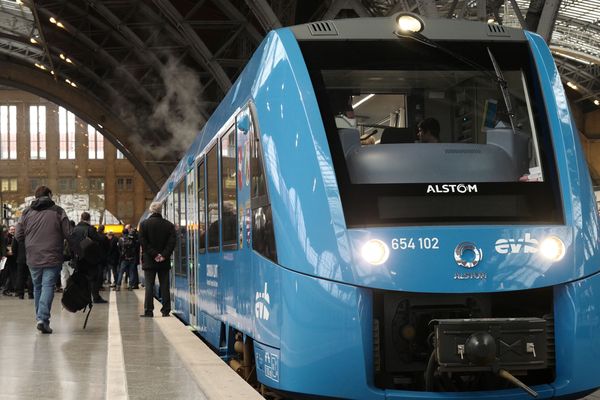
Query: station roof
[(160, 67)]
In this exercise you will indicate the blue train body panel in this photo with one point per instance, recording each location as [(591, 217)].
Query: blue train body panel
[(315, 313)]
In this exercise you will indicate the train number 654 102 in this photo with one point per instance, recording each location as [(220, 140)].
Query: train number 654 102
[(422, 243)]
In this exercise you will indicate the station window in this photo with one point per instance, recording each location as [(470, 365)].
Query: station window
[(66, 133), (8, 132), (229, 190), (95, 144), (120, 155), (201, 209), (67, 185), (35, 182), (96, 184), (125, 184), (212, 194), (125, 209), (8, 184), (37, 132)]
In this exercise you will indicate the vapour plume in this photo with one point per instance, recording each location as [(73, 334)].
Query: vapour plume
[(177, 112)]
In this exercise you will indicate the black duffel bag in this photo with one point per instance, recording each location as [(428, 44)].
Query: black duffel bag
[(77, 295)]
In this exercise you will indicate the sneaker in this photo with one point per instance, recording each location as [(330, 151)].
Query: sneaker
[(147, 315), (167, 314), (44, 327), (21, 296), (100, 300)]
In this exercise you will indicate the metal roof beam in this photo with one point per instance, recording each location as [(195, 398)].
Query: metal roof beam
[(81, 103), (338, 5), (232, 12), (186, 31), (264, 13), (548, 19), (428, 9), (103, 54)]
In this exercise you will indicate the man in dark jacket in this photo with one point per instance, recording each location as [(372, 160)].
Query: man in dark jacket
[(90, 269), (10, 268), (157, 237), (23, 274), (43, 226)]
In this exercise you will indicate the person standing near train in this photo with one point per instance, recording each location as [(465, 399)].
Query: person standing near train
[(43, 226), (157, 237)]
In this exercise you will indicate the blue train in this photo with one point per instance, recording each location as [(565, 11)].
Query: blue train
[(393, 208)]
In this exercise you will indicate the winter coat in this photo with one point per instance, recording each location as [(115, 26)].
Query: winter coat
[(113, 251), (81, 230), (157, 236), (18, 248), (43, 226)]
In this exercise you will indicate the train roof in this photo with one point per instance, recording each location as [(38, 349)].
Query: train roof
[(439, 29)]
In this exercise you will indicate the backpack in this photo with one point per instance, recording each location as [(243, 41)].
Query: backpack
[(77, 295), (87, 249), (128, 248)]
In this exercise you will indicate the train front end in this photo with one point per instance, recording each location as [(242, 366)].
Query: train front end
[(455, 252)]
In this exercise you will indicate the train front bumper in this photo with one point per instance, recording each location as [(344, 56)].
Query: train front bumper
[(327, 342)]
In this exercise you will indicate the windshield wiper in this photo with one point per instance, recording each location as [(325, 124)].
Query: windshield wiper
[(498, 77), (505, 92)]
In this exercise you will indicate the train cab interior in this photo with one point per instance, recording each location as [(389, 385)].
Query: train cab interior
[(379, 113)]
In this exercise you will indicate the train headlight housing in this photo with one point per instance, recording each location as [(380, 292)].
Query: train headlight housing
[(375, 252), (409, 23), (553, 248)]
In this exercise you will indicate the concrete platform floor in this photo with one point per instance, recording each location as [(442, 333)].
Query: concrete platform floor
[(118, 356)]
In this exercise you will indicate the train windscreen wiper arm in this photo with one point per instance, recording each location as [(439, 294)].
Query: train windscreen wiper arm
[(505, 92), (498, 76)]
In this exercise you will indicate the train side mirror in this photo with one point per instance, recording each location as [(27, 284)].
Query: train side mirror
[(243, 123)]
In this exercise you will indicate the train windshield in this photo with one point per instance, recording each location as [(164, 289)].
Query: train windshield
[(420, 135)]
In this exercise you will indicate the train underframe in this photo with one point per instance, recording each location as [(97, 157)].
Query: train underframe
[(459, 343)]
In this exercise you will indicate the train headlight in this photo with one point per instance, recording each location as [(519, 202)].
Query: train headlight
[(375, 252), (553, 248), (409, 23)]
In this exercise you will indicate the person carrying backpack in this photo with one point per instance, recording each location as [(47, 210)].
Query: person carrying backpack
[(85, 262), (43, 226), (128, 249)]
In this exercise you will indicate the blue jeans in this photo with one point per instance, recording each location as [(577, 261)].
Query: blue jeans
[(130, 267), (44, 280)]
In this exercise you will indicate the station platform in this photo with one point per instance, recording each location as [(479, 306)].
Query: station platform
[(118, 356)]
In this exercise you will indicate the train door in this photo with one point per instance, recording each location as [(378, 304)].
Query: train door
[(201, 234), (192, 247), (170, 215)]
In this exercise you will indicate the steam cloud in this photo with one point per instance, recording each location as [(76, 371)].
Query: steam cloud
[(178, 113)]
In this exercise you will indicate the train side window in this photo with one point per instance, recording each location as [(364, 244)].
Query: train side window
[(229, 190), (182, 230), (201, 209), (212, 195), (263, 234)]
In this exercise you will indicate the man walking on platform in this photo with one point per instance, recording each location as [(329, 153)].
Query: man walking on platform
[(157, 237), (43, 226)]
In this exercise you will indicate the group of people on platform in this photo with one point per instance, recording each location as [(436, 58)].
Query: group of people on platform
[(41, 253)]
